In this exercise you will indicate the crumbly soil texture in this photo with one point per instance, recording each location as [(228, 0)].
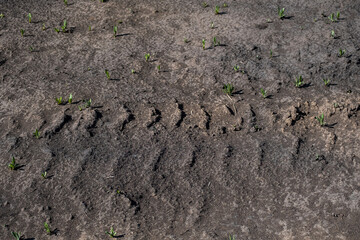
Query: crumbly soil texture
[(163, 152)]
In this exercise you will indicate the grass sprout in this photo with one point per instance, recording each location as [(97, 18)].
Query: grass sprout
[(57, 30), (332, 17), (217, 10), (299, 81), (44, 175), (111, 233), (16, 235), (22, 31), (203, 44), (158, 68), (228, 89), (341, 52), (70, 99), (66, 2), (36, 134), (216, 43), (107, 74), (326, 81), (59, 100), (47, 228), (338, 16), (13, 165), (2, 15), (204, 4), (147, 57), (115, 29), (332, 34), (263, 93), (281, 13), (64, 26), (236, 68), (321, 120), (43, 27), (29, 16)]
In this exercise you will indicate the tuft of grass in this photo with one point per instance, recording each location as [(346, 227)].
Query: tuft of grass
[(2, 15), (13, 165), (57, 30), (341, 52), (271, 53), (299, 81), (332, 17), (36, 134), (186, 40), (281, 13), (111, 233), (31, 49), (70, 99), (47, 228), (147, 57), (29, 16), (158, 68), (43, 27), (263, 93), (204, 4), (88, 103), (216, 43), (203, 44), (321, 120), (326, 81), (22, 31), (217, 10), (115, 29), (44, 175), (338, 16), (231, 237), (107, 74), (64, 26), (133, 71), (236, 68), (89, 28), (59, 100), (16, 235), (228, 89), (212, 25), (66, 2), (332, 34)]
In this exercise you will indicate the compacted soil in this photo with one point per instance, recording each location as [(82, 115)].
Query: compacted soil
[(165, 153)]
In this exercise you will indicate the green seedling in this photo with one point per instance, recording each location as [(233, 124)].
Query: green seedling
[(89, 28), (107, 74), (203, 44), (281, 13), (299, 81), (112, 233), (271, 53), (132, 71), (31, 49), (332, 17), (225, 5), (2, 15), (88, 103), (115, 31), (204, 4), (59, 100), (341, 52), (158, 68), (228, 89), (13, 165), (236, 68), (36, 134), (57, 30), (65, 2), (212, 25), (43, 27), (44, 175), (22, 31), (263, 93), (47, 228), (186, 40), (64, 26), (338, 16), (217, 10), (29, 16), (147, 57), (80, 108), (320, 120), (70, 99), (332, 34), (326, 81), (216, 43), (16, 235), (231, 237)]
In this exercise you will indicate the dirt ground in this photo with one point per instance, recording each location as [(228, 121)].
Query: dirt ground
[(166, 154)]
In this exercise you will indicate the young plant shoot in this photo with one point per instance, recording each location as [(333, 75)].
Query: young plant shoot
[(44, 175), (341, 52), (326, 81), (111, 233), (115, 31), (332, 17), (13, 165), (147, 57), (64, 26), (158, 68), (66, 2), (36, 134), (320, 120), (236, 68), (22, 31), (59, 100), (57, 30), (332, 34), (16, 235), (263, 93), (70, 99), (47, 228), (216, 43), (204, 4), (29, 16), (338, 16), (107, 74), (43, 27), (299, 81), (281, 13), (203, 44), (217, 10), (228, 89)]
